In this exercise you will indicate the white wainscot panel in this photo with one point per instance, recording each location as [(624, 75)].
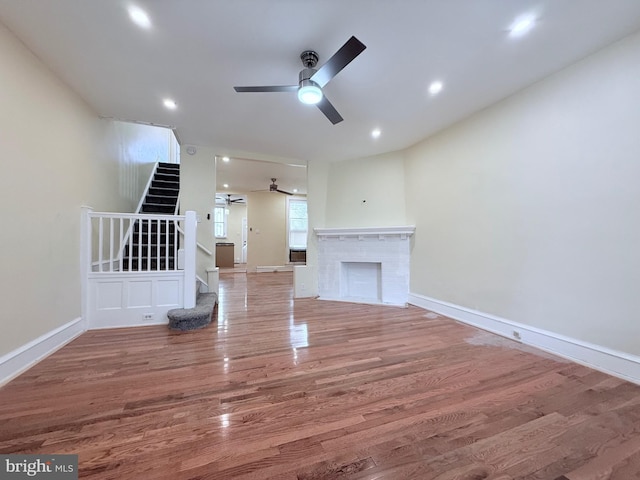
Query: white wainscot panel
[(109, 296), (140, 292), (131, 299), (168, 293)]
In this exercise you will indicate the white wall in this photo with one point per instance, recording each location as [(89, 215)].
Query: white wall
[(267, 236), (57, 155), (138, 148), (198, 193), (317, 188), (366, 192), (529, 210)]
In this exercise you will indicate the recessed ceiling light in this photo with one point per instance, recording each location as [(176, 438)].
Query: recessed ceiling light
[(170, 104), (435, 87), (225, 159), (375, 133), (295, 190), (139, 17), (225, 185), (521, 26)]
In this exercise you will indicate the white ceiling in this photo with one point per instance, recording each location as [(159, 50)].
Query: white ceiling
[(197, 50), (243, 176)]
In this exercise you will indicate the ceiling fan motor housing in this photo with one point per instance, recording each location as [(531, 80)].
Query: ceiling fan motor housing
[(309, 58), (305, 75)]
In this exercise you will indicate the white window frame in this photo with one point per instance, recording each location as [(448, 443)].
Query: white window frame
[(223, 209), (289, 246)]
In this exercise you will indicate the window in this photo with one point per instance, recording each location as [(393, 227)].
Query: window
[(297, 223), (220, 221)]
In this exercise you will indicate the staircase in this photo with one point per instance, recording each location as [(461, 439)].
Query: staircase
[(162, 196), (152, 245)]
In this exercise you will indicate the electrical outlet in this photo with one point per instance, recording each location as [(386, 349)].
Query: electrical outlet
[(516, 335), (147, 316)]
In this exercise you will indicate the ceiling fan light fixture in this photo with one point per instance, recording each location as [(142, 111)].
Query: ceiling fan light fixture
[(309, 92)]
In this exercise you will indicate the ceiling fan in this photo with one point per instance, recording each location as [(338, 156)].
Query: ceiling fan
[(311, 81), (229, 200), (274, 188)]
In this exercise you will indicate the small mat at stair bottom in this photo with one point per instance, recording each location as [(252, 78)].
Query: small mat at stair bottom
[(185, 319)]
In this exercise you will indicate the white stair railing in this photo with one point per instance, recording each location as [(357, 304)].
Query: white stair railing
[(152, 245), (137, 243)]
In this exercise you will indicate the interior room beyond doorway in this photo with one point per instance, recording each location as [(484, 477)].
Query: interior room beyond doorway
[(260, 215)]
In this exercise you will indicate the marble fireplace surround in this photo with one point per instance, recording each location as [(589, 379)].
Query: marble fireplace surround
[(364, 264)]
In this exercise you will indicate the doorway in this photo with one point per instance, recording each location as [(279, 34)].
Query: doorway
[(229, 228), (262, 238)]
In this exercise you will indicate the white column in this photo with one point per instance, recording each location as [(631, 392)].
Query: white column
[(85, 262), (190, 226)]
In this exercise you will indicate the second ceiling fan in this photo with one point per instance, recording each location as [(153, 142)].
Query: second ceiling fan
[(311, 81), (274, 188)]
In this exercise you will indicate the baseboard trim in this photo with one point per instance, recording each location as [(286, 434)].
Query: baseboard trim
[(124, 324), (612, 362), (362, 301), (21, 359), (275, 268)]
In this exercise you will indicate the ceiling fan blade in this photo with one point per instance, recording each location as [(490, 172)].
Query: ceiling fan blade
[(329, 110), (340, 59), (286, 193), (272, 88)]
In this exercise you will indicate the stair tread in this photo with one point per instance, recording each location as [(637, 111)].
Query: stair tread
[(168, 190)]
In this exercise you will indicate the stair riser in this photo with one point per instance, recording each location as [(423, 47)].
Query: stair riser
[(174, 175), (169, 166), (166, 177), (164, 192), (165, 184), (160, 200), (153, 208)]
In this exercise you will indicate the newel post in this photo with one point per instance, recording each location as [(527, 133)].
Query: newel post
[(190, 226)]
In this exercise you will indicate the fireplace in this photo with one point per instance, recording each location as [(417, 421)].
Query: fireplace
[(364, 265)]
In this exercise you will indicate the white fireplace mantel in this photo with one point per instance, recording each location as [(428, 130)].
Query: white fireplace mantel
[(399, 231), (364, 264)]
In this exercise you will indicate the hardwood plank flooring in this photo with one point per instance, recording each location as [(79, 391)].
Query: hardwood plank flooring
[(286, 389)]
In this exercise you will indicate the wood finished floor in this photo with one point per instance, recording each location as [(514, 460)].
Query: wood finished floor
[(309, 390)]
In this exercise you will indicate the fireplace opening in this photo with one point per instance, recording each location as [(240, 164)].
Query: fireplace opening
[(361, 281)]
